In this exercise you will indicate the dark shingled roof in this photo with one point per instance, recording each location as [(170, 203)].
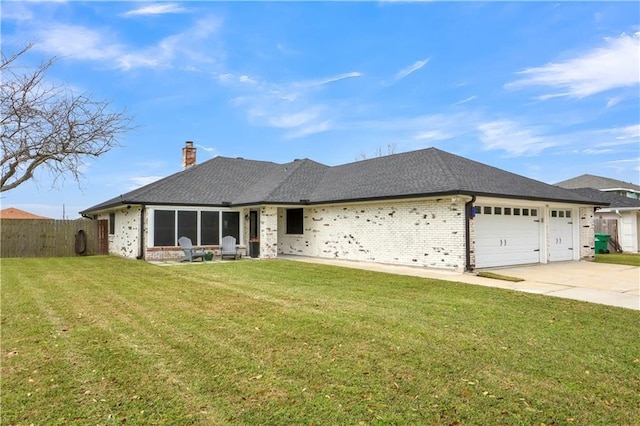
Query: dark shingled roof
[(597, 182), (614, 200), (427, 172)]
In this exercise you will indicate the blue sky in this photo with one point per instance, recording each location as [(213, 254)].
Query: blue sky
[(548, 90)]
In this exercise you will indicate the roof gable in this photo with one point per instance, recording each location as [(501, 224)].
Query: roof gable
[(597, 182), (430, 171), (614, 200)]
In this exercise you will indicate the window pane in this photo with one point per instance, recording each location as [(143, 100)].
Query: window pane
[(568, 213), (231, 225), (507, 211), (295, 221), (112, 223), (188, 225), (478, 209), (487, 210), (554, 213), (210, 228), (516, 211), (497, 210), (164, 232), (561, 213), (534, 212), (525, 212)]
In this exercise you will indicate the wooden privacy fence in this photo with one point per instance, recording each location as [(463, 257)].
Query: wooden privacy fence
[(610, 227), (53, 238)]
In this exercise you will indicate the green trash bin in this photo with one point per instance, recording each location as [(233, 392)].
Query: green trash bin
[(602, 243)]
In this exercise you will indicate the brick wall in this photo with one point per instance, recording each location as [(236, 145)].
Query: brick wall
[(428, 233), (587, 243), (126, 240), (269, 232)]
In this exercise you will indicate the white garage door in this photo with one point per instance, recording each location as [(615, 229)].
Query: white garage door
[(506, 236), (560, 235)]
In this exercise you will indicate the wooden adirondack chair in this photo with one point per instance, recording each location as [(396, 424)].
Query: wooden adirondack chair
[(228, 247), (190, 252)]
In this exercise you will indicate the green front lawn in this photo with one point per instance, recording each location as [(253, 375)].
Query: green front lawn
[(103, 340), (619, 258)]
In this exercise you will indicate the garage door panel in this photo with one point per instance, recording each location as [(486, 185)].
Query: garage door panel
[(560, 235), (502, 240)]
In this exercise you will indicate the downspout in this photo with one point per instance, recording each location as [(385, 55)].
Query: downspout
[(467, 227), (141, 249)]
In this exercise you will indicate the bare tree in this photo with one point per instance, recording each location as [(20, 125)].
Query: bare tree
[(391, 149), (47, 126)]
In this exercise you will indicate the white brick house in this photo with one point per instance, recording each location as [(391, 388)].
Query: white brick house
[(424, 208)]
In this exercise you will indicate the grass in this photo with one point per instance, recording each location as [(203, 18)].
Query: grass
[(486, 274), (619, 258), (103, 340)]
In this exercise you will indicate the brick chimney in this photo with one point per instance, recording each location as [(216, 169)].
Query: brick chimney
[(188, 155)]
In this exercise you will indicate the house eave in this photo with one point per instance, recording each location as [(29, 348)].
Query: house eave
[(311, 202), (617, 209), (533, 198)]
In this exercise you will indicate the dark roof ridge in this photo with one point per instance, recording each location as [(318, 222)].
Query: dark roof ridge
[(593, 181), (298, 165), (446, 167)]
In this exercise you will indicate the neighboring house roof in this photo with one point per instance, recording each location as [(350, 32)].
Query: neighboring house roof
[(615, 201), (13, 213), (597, 182), (428, 172)]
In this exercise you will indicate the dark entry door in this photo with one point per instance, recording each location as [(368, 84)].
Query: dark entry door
[(254, 234)]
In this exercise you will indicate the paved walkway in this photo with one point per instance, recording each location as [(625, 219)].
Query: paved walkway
[(607, 284)]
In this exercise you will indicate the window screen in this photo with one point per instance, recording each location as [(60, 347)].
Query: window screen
[(112, 223), (210, 228), (295, 221), (231, 224), (188, 225), (164, 231)]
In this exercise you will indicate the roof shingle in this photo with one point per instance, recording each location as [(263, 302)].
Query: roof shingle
[(597, 182), (417, 173)]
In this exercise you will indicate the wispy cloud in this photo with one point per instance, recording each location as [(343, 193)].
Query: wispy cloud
[(156, 9), (593, 151), (514, 139), (291, 106), (209, 149), (613, 101), (310, 129), (82, 43), (138, 181), (433, 135), (615, 65), (464, 101), (327, 80), (16, 11), (618, 136), (77, 42), (411, 69), (622, 165)]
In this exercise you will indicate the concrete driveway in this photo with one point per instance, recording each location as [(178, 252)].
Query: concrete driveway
[(614, 285)]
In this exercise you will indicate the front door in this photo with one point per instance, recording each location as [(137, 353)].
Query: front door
[(254, 234)]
